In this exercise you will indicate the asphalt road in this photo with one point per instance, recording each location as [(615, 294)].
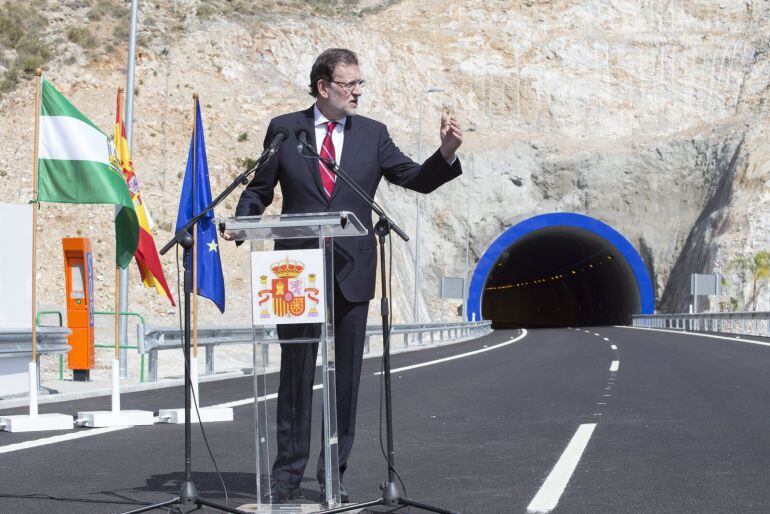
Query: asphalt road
[(679, 423)]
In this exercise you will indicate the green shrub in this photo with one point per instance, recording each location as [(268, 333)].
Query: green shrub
[(21, 29), (82, 36), (246, 163)]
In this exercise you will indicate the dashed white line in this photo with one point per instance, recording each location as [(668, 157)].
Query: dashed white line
[(613, 347), (606, 338), (550, 492), (614, 366), (596, 334)]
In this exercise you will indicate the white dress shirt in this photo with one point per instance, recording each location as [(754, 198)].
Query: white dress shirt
[(338, 135)]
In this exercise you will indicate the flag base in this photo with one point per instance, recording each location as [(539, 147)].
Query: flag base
[(207, 415), (36, 423), (108, 418), (298, 508)]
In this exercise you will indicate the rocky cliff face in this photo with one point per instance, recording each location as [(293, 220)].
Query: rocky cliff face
[(650, 116)]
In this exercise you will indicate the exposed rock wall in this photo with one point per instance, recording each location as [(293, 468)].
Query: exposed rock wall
[(650, 116)]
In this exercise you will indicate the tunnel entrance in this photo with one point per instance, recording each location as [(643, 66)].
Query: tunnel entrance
[(560, 269)]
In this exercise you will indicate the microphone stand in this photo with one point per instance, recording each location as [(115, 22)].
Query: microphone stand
[(188, 493), (392, 495)]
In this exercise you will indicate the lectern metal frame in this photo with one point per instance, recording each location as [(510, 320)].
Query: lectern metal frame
[(325, 227)]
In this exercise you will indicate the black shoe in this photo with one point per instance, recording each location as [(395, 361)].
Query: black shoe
[(343, 493), (280, 492)]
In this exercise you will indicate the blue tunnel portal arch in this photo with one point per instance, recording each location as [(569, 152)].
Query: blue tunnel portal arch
[(560, 269)]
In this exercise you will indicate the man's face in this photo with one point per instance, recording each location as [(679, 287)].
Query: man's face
[(336, 98)]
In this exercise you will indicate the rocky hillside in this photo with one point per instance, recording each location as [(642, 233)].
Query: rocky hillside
[(650, 116)]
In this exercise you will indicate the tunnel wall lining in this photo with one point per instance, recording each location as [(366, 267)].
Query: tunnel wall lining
[(559, 219)]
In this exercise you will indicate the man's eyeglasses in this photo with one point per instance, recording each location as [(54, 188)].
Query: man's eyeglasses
[(348, 87)]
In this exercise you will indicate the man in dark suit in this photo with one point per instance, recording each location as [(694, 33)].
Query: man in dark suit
[(365, 150)]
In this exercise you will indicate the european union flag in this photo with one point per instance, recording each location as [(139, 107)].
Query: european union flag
[(196, 196)]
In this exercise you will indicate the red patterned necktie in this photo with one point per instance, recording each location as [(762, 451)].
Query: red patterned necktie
[(327, 152)]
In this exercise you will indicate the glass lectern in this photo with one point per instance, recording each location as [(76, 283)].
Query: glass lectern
[(291, 287)]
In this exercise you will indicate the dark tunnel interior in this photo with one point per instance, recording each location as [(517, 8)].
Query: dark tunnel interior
[(560, 276)]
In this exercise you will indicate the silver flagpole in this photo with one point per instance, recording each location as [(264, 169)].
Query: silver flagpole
[(129, 120)]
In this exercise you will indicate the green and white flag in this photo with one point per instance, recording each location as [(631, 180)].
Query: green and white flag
[(77, 164)]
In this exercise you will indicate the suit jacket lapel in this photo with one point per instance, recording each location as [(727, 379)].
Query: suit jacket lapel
[(350, 148), (306, 122)]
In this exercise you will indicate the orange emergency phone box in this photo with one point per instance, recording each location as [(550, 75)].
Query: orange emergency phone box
[(79, 280)]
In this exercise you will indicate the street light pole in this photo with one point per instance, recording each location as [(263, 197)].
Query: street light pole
[(468, 179), (415, 318)]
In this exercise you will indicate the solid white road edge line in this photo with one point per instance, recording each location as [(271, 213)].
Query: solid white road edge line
[(58, 439), (684, 333), (99, 431), (237, 403), (550, 492), (461, 355)]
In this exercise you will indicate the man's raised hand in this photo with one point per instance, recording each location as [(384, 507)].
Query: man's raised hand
[(451, 137)]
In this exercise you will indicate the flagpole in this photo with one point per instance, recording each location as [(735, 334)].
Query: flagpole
[(118, 269), (129, 119), (194, 360), (33, 385)]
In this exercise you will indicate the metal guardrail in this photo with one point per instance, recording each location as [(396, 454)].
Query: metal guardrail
[(17, 342), (155, 339), (140, 326), (733, 323)]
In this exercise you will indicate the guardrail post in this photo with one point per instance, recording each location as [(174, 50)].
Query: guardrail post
[(366, 345), (406, 339), (210, 359), (265, 355), (152, 366)]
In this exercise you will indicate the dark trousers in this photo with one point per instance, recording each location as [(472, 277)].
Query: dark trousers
[(295, 390)]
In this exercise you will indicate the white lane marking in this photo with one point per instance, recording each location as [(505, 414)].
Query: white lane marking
[(685, 333), (606, 338), (612, 346), (548, 496), (596, 334), (614, 366), (99, 431), (236, 403), (247, 401), (58, 439), (461, 355)]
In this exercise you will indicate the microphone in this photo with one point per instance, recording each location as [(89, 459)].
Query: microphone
[(281, 133), (302, 138)]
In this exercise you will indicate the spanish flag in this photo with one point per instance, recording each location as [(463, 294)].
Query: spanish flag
[(146, 253)]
